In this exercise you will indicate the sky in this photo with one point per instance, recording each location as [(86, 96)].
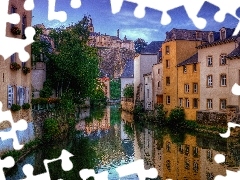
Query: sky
[(148, 28)]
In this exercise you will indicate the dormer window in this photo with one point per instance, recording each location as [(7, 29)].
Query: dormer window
[(210, 37), (223, 34), (199, 35)]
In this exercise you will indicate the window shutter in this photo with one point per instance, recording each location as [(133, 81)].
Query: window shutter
[(10, 96), (18, 95), (21, 96), (26, 100)]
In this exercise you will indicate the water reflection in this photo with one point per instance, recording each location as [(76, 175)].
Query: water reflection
[(106, 139)]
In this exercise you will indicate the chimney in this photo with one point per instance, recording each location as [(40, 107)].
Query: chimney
[(118, 33)]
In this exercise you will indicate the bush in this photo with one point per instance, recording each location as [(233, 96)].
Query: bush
[(160, 113), (15, 107), (47, 90), (128, 91), (176, 116), (51, 129), (26, 106)]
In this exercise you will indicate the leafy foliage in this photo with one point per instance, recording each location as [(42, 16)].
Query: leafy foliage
[(176, 116), (160, 113), (26, 106), (15, 107), (115, 89), (139, 45), (128, 91), (46, 91)]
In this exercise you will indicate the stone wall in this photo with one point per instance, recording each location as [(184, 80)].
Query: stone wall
[(38, 78), (212, 118)]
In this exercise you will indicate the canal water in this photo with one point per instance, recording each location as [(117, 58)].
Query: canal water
[(107, 138)]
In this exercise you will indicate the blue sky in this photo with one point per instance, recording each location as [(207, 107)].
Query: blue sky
[(149, 28)]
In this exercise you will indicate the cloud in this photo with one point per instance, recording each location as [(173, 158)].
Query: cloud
[(145, 33)]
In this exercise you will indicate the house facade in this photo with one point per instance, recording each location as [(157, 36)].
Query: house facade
[(179, 45), (189, 86), (218, 74), (127, 77), (15, 86), (142, 65), (148, 92), (157, 83)]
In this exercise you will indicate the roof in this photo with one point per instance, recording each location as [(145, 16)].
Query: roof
[(115, 38), (218, 40), (234, 54), (185, 34), (152, 48), (192, 60), (128, 71)]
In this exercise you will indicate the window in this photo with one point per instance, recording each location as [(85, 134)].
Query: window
[(168, 99), (158, 83), (167, 50), (180, 102), (223, 59), (209, 61), (24, 24), (195, 166), (20, 95), (187, 103), (23, 64), (199, 35), (223, 80), (210, 37), (223, 104), (158, 71), (209, 155), (195, 103), (209, 104), (13, 58), (186, 88), (167, 64), (209, 81), (168, 147), (195, 88), (195, 151), (10, 96), (223, 34), (184, 69), (147, 93), (167, 81), (194, 67)]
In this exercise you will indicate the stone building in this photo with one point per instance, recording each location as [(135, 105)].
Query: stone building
[(215, 81), (179, 45), (96, 39), (148, 91), (188, 79), (15, 84), (142, 65)]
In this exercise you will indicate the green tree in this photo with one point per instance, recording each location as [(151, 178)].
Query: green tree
[(74, 65), (115, 88), (128, 91), (139, 45)]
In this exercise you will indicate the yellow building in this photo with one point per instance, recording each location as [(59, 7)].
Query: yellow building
[(181, 161), (15, 84), (188, 73), (179, 45)]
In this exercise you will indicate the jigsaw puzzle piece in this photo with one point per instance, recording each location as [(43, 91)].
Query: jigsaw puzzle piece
[(137, 167), (29, 5), (66, 166), (192, 8), (52, 14), (230, 175), (18, 126), (87, 173), (75, 4), (7, 162), (227, 7), (230, 125)]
